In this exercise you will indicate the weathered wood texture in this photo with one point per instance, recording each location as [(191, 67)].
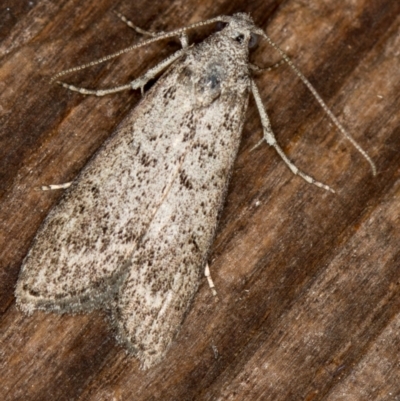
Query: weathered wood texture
[(308, 281)]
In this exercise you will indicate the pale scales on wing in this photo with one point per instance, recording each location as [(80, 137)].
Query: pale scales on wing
[(137, 223)]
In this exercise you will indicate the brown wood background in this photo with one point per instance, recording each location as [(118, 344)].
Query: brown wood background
[(308, 281)]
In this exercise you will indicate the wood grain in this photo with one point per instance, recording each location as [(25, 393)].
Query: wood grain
[(308, 281)]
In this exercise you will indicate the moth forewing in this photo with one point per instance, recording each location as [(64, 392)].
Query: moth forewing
[(138, 221)]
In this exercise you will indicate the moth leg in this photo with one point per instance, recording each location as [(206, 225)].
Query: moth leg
[(183, 37), (210, 281), (256, 68), (153, 72), (135, 84), (269, 137), (184, 40), (52, 187), (320, 101)]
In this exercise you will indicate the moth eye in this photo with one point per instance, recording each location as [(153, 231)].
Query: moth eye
[(239, 38), (253, 40)]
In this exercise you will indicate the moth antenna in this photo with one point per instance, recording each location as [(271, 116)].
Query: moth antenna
[(181, 33), (269, 137), (135, 84), (311, 88)]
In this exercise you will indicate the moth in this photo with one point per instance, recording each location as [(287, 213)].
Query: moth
[(131, 235)]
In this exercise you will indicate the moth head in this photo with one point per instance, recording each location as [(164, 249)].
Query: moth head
[(241, 29)]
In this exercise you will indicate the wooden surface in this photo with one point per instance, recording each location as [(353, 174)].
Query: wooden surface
[(308, 281)]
